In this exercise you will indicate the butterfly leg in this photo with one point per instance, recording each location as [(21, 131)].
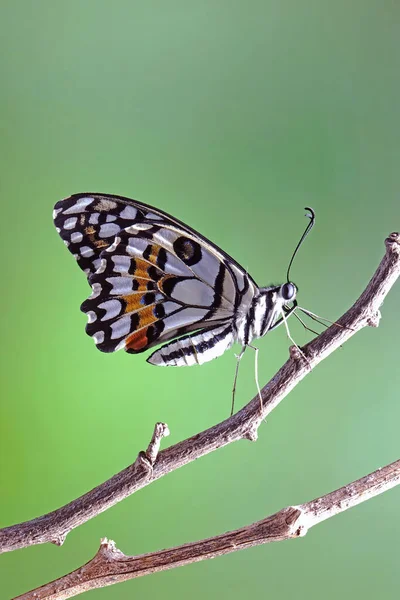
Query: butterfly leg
[(238, 359), (292, 340), (256, 350), (304, 325), (319, 319)]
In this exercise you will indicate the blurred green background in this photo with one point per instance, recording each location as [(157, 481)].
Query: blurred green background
[(231, 116)]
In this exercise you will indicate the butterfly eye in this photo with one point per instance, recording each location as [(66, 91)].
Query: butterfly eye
[(288, 291)]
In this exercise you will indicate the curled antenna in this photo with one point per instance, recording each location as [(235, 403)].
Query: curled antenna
[(311, 216)]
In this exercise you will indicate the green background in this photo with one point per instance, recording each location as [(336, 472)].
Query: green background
[(232, 116)]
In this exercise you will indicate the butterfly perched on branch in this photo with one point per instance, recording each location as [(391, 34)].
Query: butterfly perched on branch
[(157, 281)]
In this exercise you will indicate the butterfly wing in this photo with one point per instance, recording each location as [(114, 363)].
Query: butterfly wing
[(153, 279)]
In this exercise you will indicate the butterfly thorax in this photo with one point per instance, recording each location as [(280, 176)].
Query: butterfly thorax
[(263, 311)]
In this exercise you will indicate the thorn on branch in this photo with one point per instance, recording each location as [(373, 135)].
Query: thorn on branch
[(373, 321), (108, 550), (392, 242), (252, 433), (59, 540)]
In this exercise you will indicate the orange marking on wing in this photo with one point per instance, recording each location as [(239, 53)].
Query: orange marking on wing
[(91, 233), (160, 283), (133, 302), (137, 340), (147, 316), (155, 249), (100, 243), (141, 269)]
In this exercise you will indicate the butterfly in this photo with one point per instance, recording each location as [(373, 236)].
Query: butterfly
[(157, 281)]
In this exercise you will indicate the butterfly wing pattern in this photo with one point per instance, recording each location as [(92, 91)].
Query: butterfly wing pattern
[(156, 280)]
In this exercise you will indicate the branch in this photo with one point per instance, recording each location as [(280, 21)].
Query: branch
[(54, 526), (111, 566)]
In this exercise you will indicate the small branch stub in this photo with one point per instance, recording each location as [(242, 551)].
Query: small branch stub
[(160, 431)]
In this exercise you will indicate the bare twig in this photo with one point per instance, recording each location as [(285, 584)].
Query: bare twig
[(54, 526), (111, 566)]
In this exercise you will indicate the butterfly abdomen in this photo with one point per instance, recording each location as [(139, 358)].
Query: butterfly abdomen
[(194, 349)]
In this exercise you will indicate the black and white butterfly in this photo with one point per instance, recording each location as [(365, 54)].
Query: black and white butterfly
[(157, 281)]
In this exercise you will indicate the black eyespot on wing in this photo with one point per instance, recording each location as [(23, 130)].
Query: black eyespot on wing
[(187, 250), (154, 331), (148, 298), (159, 311), (154, 273), (161, 259), (168, 284)]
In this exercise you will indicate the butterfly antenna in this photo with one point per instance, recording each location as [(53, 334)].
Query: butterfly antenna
[(311, 216)]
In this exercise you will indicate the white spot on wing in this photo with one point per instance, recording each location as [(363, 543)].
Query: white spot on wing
[(136, 246), (121, 327), (151, 215), (120, 285), (94, 218), (79, 206), (113, 245), (76, 237), (56, 211), (99, 265), (165, 237), (109, 230), (86, 251), (121, 263), (129, 212), (112, 308), (91, 316), (96, 290), (70, 223), (98, 337), (139, 227)]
